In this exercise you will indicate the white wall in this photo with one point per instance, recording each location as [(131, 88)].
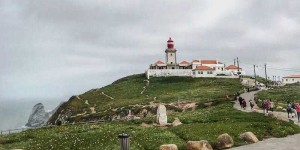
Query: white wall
[(197, 74), (217, 66), (168, 72), (171, 57), (290, 80)]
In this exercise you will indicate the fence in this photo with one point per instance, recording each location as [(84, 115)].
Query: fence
[(9, 131)]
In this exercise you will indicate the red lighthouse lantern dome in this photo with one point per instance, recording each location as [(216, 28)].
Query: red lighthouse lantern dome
[(170, 43)]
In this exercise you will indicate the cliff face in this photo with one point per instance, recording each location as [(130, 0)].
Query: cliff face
[(38, 116)]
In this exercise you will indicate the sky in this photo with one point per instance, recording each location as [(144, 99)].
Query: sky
[(53, 49)]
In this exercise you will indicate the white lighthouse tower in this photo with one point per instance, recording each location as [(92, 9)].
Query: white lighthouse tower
[(171, 55)]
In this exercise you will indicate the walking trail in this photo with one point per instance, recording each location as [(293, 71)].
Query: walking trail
[(286, 143)]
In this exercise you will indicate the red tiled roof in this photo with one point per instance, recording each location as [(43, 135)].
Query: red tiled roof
[(204, 68), (195, 61), (184, 63), (210, 62), (159, 62), (293, 76), (232, 67)]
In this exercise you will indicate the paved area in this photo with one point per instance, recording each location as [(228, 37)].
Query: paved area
[(287, 143)]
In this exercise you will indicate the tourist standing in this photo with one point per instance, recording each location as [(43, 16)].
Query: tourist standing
[(272, 105), (298, 111)]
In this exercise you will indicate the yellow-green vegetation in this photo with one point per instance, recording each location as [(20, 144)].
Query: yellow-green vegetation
[(127, 91), (201, 124), (281, 95)]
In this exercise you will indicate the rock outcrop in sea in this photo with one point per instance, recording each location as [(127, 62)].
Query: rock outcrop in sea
[(38, 116)]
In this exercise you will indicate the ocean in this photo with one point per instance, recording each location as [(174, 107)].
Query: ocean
[(15, 114)]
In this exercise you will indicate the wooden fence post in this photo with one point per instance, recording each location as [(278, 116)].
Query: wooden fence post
[(1, 132), (8, 131)]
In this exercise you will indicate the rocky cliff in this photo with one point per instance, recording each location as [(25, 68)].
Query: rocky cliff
[(38, 116)]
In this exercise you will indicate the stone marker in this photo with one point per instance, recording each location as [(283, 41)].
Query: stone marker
[(198, 145), (168, 147), (162, 115), (249, 137), (224, 141)]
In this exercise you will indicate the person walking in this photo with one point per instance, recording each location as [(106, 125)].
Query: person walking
[(298, 111), (289, 109), (267, 105), (272, 105), (240, 100), (263, 105), (244, 104), (251, 104)]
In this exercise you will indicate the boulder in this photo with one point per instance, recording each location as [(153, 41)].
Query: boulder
[(198, 145), (176, 122), (224, 141), (249, 137), (168, 147), (271, 114), (146, 125)]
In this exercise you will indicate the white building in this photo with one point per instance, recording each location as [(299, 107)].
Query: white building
[(204, 71), (291, 79), (235, 70), (196, 68)]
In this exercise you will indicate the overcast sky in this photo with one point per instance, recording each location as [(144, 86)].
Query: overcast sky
[(53, 49)]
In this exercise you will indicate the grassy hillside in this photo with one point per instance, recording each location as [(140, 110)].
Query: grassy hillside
[(127, 91), (204, 123), (288, 92), (201, 124), (282, 94)]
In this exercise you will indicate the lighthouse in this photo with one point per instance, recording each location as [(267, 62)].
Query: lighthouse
[(171, 55)]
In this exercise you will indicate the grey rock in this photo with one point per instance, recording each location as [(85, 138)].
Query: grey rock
[(38, 116)]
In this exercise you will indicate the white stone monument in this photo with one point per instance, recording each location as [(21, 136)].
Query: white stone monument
[(162, 115)]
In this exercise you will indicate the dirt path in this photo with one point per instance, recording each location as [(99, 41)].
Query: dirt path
[(287, 143)]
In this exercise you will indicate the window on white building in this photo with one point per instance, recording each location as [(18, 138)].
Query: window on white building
[(194, 73), (286, 79), (292, 79)]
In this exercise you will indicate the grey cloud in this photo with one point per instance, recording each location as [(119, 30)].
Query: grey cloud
[(67, 47)]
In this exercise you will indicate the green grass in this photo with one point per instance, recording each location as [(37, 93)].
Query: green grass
[(282, 94), (127, 91), (201, 124), (205, 123)]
